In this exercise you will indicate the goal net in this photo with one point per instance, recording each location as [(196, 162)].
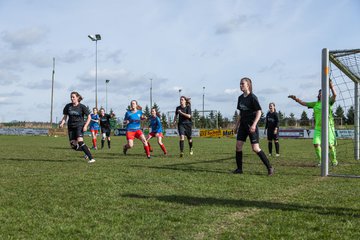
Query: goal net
[(343, 68)]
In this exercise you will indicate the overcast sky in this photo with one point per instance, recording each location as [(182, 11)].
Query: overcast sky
[(187, 44)]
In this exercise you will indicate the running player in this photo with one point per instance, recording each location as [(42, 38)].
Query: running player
[(184, 124), (156, 130), (316, 106), (94, 127), (76, 111), (246, 125), (105, 127), (132, 119), (272, 127)]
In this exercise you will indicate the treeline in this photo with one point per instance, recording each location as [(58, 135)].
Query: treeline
[(214, 119)]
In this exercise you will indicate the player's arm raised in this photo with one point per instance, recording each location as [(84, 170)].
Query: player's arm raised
[(293, 97)]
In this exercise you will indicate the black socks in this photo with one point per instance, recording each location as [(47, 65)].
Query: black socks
[(239, 160)]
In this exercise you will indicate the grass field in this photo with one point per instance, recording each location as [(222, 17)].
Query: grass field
[(48, 191)]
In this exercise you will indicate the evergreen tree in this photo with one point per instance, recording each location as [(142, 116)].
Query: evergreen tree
[(235, 116), (220, 119), (350, 116), (196, 118), (146, 111), (164, 121), (202, 122), (226, 123), (339, 115), (157, 108), (292, 120), (304, 120)]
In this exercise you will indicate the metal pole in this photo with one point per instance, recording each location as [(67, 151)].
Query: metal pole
[(356, 122), (150, 93), (52, 94), (96, 97), (325, 113), (106, 95), (203, 103)]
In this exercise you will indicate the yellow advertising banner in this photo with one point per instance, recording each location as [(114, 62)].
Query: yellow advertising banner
[(216, 133)]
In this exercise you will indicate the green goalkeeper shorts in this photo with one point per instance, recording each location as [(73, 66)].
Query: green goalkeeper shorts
[(317, 137)]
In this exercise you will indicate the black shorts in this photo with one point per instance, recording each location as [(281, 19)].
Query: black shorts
[(272, 136), (244, 131), (75, 132), (185, 129), (106, 131)]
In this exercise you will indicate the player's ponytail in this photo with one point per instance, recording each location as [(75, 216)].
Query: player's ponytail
[(138, 107), (80, 98), (157, 113), (187, 100)]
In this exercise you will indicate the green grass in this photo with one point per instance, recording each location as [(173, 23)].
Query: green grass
[(48, 191)]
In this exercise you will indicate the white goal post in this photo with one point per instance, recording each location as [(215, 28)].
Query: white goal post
[(348, 63)]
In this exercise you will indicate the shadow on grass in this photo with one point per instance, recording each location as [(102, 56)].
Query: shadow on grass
[(206, 201)]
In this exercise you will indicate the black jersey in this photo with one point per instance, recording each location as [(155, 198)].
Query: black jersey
[(248, 107), (76, 114), (105, 121), (272, 121), (183, 119)]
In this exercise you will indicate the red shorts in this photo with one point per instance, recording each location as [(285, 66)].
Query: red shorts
[(132, 135), (154, 134), (94, 131)]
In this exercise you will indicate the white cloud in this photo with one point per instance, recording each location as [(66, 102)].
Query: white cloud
[(24, 37)]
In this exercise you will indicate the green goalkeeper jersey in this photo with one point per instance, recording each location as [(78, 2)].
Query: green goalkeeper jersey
[(316, 106)]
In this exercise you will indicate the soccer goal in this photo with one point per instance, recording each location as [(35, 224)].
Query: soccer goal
[(343, 68)]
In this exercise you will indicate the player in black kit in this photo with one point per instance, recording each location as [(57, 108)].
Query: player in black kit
[(105, 127), (76, 126), (246, 125), (184, 123), (272, 127)]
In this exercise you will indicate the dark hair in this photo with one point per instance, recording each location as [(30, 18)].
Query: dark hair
[(157, 113), (272, 104), (80, 98), (138, 107), (95, 108), (248, 80), (187, 100)]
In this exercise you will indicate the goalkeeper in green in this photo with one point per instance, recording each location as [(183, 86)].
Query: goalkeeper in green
[(316, 106)]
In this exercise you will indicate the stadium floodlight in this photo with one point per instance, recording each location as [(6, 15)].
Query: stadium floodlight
[(95, 39), (343, 68)]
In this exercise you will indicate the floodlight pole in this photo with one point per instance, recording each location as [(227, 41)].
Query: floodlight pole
[(52, 94), (203, 102), (325, 113), (106, 85), (150, 94), (95, 38), (96, 96)]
